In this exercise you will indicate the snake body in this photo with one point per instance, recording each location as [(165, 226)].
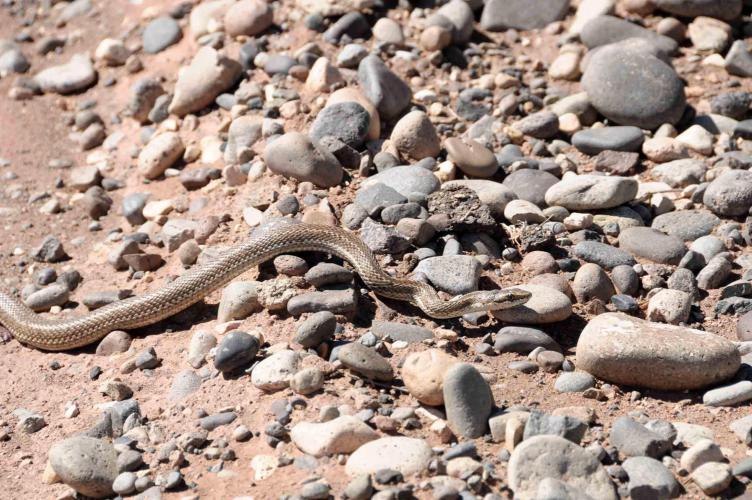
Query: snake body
[(56, 334)]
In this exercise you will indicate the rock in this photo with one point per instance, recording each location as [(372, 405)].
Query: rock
[(87, 465), (383, 88), (523, 211), (471, 157), (337, 301), (388, 31), (592, 282), (294, 155), (235, 351), (46, 298), (423, 374), (499, 15), (404, 454), (351, 94), (185, 383), (728, 10), (625, 350), (709, 34), (160, 33), (111, 52), (201, 343), (700, 453), (543, 457), (689, 225), (617, 162), (161, 152), (457, 18), (411, 334), (244, 132), (343, 434), (208, 75), (531, 185), (603, 254), (365, 361), (633, 88), (738, 59), (730, 194), (523, 340), (635, 440), (605, 30), (649, 478), (653, 245), (713, 477), (248, 17), (353, 25), (317, 328), (670, 306), (468, 400), (383, 239), (574, 382), (347, 121), (454, 274), (114, 342), (545, 306), (406, 180), (591, 192), (589, 10), (597, 140), (415, 137), (491, 193), (729, 395), (274, 372), (75, 75), (239, 300), (541, 125)]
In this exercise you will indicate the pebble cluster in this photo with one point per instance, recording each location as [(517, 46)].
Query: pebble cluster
[(595, 153)]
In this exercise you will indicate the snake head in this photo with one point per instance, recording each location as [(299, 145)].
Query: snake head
[(493, 300)]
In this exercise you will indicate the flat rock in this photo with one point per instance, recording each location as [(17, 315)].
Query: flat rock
[(686, 224), (543, 457), (652, 244), (727, 10), (546, 305), (455, 274), (404, 454), (406, 180), (523, 340), (531, 185), (343, 434), (295, 155), (591, 192), (365, 361), (593, 141), (605, 30), (625, 350), (603, 254), (75, 75), (499, 15)]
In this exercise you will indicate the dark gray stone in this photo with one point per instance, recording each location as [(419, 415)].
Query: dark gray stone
[(522, 340), (603, 254), (530, 185), (499, 15), (237, 349), (686, 224), (604, 30), (539, 423), (317, 328), (383, 88), (595, 140), (347, 121), (468, 401), (635, 440)]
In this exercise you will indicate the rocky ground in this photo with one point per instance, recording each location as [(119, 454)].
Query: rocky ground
[(594, 153)]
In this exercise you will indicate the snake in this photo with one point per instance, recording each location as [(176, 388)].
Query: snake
[(59, 334)]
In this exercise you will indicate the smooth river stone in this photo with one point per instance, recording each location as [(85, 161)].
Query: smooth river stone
[(406, 180), (593, 141), (547, 305), (626, 350), (652, 244), (591, 192), (471, 157)]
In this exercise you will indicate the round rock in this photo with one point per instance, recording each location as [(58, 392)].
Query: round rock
[(730, 193), (530, 184), (86, 464), (404, 454), (365, 361), (591, 192), (415, 137), (546, 305), (652, 244), (471, 157), (347, 121), (423, 374), (686, 224), (294, 155)]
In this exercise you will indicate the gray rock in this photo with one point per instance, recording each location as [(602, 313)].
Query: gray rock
[(454, 274), (185, 383), (457, 17), (574, 382), (44, 299), (649, 479), (541, 125), (634, 440), (317, 328), (294, 155), (730, 194), (365, 361), (591, 192), (555, 489), (631, 87), (327, 273), (87, 465), (547, 305), (714, 274), (680, 173), (383, 239), (236, 349), (347, 121), (208, 75), (336, 301), (383, 88), (530, 185), (406, 180), (375, 197), (605, 30), (539, 423), (542, 457), (401, 332), (160, 33), (603, 254), (686, 224), (499, 15), (468, 400), (593, 141), (652, 244), (523, 340), (729, 395), (592, 282), (739, 60), (727, 10)]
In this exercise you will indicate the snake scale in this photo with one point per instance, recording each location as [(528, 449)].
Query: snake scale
[(57, 334)]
